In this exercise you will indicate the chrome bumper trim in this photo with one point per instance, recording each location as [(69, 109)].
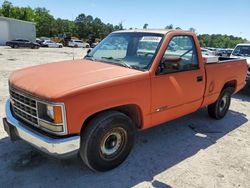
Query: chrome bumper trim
[(56, 147)]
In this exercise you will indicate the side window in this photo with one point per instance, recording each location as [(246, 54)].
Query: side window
[(180, 55)]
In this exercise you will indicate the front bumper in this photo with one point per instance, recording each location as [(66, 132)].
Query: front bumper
[(58, 147)]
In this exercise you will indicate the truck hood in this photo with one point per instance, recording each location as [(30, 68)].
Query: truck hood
[(54, 80)]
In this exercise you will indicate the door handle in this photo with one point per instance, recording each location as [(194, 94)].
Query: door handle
[(199, 78)]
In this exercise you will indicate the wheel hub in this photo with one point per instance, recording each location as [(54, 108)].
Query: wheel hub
[(223, 103), (112, 142)]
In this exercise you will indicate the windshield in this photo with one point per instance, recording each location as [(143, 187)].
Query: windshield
[(242, 51), (131, 50)]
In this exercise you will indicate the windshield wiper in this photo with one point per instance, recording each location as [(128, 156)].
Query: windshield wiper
[(120, 62)]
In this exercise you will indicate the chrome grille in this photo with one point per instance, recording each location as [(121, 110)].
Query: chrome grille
[(24, 107)]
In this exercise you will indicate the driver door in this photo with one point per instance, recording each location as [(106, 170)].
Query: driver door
[(178, 86)]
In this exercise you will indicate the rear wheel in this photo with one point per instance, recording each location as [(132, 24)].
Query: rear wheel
[(16, 46), (220, 108), (107, 140)]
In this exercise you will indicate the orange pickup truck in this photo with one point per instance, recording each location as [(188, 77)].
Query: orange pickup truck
[(132, 80)]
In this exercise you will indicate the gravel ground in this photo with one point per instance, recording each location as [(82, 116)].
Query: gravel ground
[(192, 151)]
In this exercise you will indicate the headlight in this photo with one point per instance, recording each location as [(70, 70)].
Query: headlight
[(50, 111), (51, 117)]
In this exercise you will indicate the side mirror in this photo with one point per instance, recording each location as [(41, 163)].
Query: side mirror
[(169, 64), (172, 60)]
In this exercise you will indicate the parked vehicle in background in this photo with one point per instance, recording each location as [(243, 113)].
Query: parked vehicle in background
[(63, 38), (95, 105), (39, 41), (211, 49), (229, 51), (94, 44), (22, 43), (51, 44), (242, 51), (207, 52), (78, 44), (221, 52)]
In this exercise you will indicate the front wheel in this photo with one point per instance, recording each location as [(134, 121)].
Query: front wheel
[(107, 140), (220, 108)]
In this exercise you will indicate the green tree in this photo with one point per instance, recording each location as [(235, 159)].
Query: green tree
[(6, 9), (22, 13), (220, 41), (192, 29), (178, 28), (63, 26), (145, 26), (169, 26), (45, 23)]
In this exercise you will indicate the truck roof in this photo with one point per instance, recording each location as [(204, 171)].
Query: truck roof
[(246, 44), (158, 31)]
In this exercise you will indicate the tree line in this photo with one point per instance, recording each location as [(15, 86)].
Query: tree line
[(220, 41), (85, 26), (47, 26)]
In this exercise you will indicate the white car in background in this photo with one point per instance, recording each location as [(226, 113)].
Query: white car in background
[(51, 44), (242, 51), (207, 52), (78, 44)]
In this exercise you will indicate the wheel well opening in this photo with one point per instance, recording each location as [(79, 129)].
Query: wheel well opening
[(131, 111), (230, 84)]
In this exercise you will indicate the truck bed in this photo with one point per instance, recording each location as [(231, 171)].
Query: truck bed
[(218, 73), (215, 60)]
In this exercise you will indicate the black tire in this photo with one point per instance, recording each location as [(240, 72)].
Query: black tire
[(76, 46), (220, 108), (107, 140), (16, 46), (87, 46)]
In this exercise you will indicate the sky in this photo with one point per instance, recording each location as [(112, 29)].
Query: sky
[(210, 16)]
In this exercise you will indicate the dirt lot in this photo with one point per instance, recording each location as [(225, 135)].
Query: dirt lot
[(193, 151)]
